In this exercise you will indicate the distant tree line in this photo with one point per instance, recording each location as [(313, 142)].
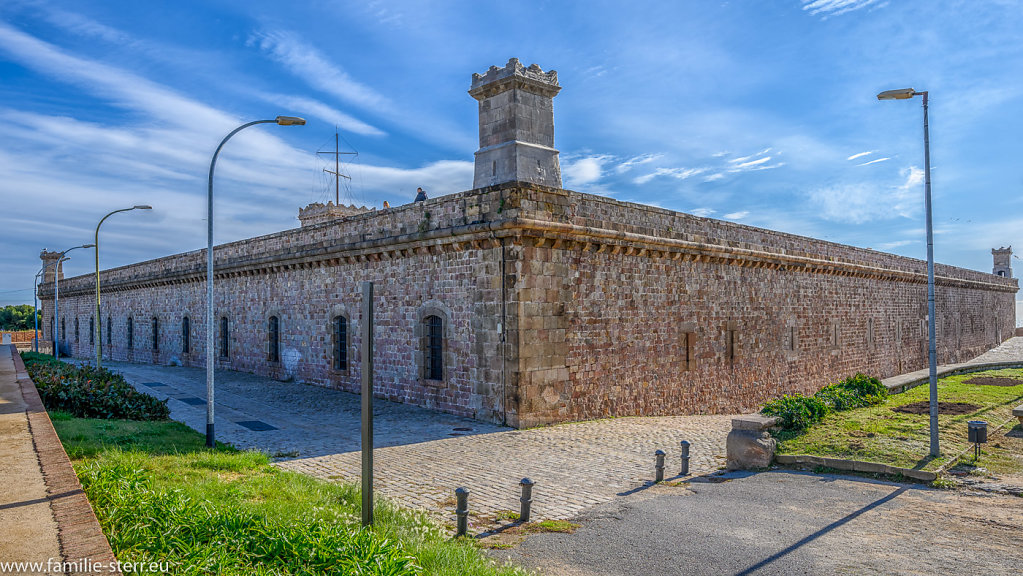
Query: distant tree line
[(17, 317)]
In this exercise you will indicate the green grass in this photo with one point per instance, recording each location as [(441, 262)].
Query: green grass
[(161, 496), (879, 434)]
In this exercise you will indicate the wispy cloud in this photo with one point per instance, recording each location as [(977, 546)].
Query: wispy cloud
[(702, 212), (636, 161), (737, 215), (874, 161), (860, 202), (324, 112), (310, 64), (836, 7), (677, 173), (861, 154)]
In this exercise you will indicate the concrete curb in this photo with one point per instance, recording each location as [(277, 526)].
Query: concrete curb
[(951, 370), (78, 531), (856, 466)]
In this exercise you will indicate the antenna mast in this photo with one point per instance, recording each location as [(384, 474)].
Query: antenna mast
[(337, 166)]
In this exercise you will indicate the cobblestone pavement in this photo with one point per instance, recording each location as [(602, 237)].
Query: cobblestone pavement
[(421, 456)]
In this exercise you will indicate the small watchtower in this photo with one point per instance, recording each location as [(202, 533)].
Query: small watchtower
[(1003, 261), (51, 269), (516, 125)]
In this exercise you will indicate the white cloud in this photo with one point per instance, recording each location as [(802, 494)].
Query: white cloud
[(750, 157), (737, 215), (584, 171), (861, 154), (713, 177), (702, 212), (753, 163)]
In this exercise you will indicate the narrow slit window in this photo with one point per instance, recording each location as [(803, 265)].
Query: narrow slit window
[(273, 347), (92, 330), (186, 335), (340, 343), (434, 348), (156, 334), (131, 333), (110, 331), (224, 338), (77, 334)]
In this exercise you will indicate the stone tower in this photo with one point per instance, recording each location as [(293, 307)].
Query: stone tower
[(1003, 261), (50, 270), (516, 125)]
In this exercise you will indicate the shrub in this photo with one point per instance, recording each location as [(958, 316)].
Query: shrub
[(86, 392), (866, 387), (796, 412), (839, 398)]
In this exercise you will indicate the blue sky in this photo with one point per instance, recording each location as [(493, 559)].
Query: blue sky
[(758, 112)]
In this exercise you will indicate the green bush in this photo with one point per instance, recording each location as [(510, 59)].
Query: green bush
[(799, 412), (86, 392), (796, 412)]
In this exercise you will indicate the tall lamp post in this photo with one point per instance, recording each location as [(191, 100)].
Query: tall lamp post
[(906, 94), (281, 121), (56, 297), (99, 332)]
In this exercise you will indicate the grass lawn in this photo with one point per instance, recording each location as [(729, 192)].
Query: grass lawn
[(880, 434), (162, 496)]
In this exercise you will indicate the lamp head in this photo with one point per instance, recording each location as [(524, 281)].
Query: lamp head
[(142, 207), (290, 121), (88, 246), (900, 94)]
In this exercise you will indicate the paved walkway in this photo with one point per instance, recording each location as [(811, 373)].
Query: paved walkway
[(1010, 351), (29, 530)]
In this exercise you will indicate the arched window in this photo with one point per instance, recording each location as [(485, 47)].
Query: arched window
[(131, 333), (340, 335), (92, 330), (224, 340), (434, 347), (77, 334), (273, 344), (186, 335)]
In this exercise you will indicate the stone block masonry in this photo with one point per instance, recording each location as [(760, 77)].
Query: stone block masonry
[(555, 306)]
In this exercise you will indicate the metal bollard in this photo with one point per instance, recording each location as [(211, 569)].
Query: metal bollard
[(685, 459), (659, 466), (526, 500), (462, 511)]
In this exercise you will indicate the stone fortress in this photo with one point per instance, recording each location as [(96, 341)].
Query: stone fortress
[(522, 303)]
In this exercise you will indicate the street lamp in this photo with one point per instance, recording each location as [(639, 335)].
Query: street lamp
[(56, 297), (905, 94), (99, 332), (281, 121)]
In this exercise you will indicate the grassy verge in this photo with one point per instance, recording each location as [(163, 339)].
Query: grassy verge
[(880, 434), (161, 496)]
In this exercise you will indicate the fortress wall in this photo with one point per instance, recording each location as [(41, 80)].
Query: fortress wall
[(617, 326), (607, 308)]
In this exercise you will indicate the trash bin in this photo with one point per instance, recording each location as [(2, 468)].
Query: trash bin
[(977, 430)]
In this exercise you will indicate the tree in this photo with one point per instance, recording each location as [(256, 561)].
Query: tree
[(16, 317)]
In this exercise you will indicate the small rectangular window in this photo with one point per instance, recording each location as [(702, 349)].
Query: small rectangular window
[(131, 333), (434, 348), (110, 331), (340, 343), (92, 330), (730, 345), (77, 336)]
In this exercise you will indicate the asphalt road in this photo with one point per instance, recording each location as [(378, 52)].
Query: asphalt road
[(784, 522)]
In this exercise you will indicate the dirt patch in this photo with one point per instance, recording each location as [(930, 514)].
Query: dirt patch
[(924, 407), (993, 381)]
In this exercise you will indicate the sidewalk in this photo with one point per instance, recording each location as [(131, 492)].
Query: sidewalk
[(44, 515), (1008, 354)]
